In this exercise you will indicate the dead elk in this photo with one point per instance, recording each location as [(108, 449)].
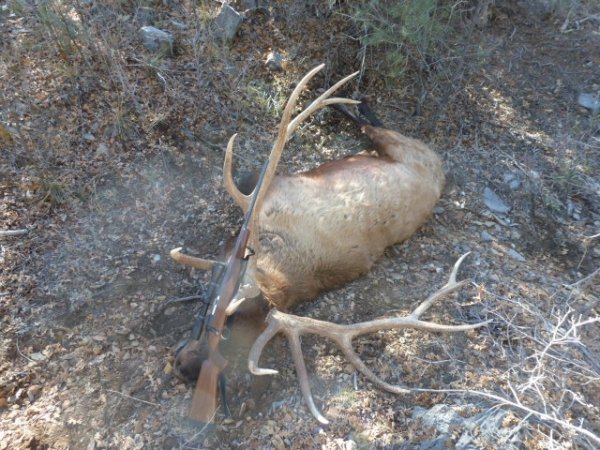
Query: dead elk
[(325, 227), (322, 228)]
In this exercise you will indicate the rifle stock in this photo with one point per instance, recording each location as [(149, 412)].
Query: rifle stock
[(204, 401)]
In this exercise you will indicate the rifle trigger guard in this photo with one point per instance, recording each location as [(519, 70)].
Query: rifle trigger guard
[(221, 334), (225, 334)]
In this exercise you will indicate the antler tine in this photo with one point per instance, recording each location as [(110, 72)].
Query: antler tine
[(449, 287), (342, 335), (282, 134), (322, 101), (289, 126), (187, 260), (243, 201), (272, 329), (302, 373)]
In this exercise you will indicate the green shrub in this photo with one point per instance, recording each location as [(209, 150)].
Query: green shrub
[(406, 32)]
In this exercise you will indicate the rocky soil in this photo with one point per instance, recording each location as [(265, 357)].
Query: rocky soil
[(110, 155)]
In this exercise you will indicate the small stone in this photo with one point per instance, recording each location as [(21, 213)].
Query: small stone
[(179, 25), (438, 210), (227, 23), (494, 202), (37, 356), (511, 179), (590, 102), (349, 445), (486, 237), (89, 137), (516, 255), (274, 61), (33, 392), (157, 41), (102, 149)]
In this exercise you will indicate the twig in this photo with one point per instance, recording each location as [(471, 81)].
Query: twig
[(206, 425), (507, 402), (21, 353), (133, 398), (183, 299), (5, 233), (583, 280)]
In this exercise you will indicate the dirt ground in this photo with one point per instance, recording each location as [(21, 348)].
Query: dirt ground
[(111, 156)]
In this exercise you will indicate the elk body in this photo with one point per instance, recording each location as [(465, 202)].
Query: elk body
[(319, 229), (325, 227)]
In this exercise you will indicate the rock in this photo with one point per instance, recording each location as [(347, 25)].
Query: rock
[(227, 23), (482, 430), (438, 210), (343, 444), (515, 255), (37, 356), (157, 41), (274, 61), (33, 392), (178, 25), (89, 137), (102, 150), (589, 101), (511, 179), (486, 237), (494, 202)]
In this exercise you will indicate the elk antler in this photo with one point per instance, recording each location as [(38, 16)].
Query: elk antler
[(287, 126), (193, 261), (294, 326)]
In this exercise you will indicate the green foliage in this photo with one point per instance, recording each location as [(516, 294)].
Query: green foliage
[(267, 97), (408, 31), (55, 20)]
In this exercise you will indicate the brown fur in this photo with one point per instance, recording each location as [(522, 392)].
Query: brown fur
[(325, 227)]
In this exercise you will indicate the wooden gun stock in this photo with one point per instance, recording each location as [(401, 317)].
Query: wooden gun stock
[(204, 401)]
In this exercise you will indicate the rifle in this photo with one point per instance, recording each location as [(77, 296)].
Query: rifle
[(228, 278)]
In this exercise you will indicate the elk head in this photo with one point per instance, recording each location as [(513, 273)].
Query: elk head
[(322, 228)]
